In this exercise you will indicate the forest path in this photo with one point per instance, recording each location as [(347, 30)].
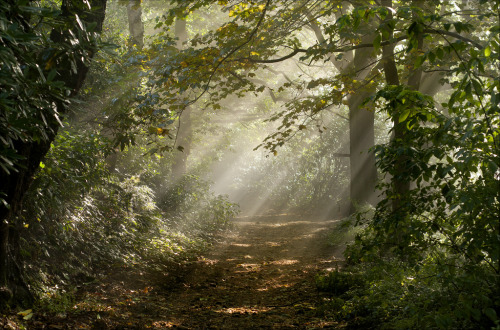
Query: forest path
[(261, 276)]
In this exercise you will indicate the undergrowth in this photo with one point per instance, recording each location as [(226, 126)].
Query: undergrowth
[(82, 220)]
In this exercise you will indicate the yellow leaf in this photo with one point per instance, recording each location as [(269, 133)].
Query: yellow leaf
[(50, 63), (487, 51), (254, 53), (26, 312)]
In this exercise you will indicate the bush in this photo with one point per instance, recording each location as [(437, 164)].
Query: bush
[(433, 262), (81, 220)]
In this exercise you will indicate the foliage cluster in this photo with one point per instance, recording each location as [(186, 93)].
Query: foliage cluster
[(433, 261), (33, 91), (25, 86), (92, 208), (81, 219)]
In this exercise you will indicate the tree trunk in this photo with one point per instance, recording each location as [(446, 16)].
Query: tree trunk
[(401, 185), (363, 170), (184, 132), (13, 289), (135, 24), (136, 31)]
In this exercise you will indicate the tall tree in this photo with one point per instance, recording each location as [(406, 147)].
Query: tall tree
[(135, 24), (184, 129), (53, 70), (363, 172), (387, 40), (356, 64)]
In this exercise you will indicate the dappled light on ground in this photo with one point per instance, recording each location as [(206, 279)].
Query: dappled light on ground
[(264, 276), (261, 276)]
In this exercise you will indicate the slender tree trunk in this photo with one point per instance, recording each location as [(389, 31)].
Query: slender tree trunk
[(136, 31), (363, 170), (184, 133), (13, 289), (135, 24), (401, 185)]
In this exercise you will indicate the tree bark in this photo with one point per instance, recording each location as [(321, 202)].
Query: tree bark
[(401, 185), (363, 170), (136, 27), (13, 289), (184, 132)]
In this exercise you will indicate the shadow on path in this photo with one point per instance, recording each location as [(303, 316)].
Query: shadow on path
[(262, 276)]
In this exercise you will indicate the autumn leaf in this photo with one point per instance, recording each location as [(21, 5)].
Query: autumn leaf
[(27, 314)]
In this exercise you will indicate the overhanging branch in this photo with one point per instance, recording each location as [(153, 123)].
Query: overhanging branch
[(359, 46), (454, 35)]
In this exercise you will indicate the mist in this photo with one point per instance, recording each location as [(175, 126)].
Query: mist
[(249, 164)]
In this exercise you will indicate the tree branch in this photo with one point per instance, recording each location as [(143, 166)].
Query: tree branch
[(454, 35), (334, 50), (368, 45), (250, 37)]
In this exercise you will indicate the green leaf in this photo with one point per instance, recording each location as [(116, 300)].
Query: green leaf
[(420, 60), (487, 51), (404, 115), (493, 166), (468, 89), (377, 41), (440, 53), (478, 89), (458, 26), (432, 57)]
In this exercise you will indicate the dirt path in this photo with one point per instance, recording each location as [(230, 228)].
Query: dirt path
[(261, 277)]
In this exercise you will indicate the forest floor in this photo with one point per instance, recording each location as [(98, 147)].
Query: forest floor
[(260, 276)]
